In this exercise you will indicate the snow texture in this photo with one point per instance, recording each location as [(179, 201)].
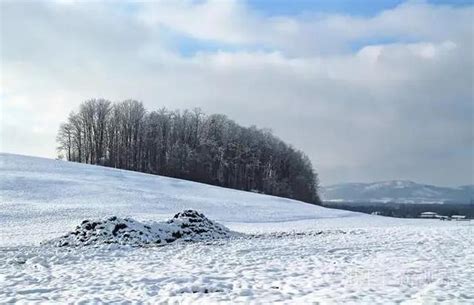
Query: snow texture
[(392, 262), (188, 226), (291, 253), (54, 196)]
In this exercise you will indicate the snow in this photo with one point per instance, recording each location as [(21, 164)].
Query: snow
[(398, 191), (289, 252), (186, 226), (400, 184), (55, 196)]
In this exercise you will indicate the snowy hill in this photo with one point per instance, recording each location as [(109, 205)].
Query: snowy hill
[(399, 191), (290, 252), (56, 195)]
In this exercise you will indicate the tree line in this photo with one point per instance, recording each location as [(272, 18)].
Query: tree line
[(405, 210), (187, 145)]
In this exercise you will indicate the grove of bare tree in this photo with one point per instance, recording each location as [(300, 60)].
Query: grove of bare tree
[(188, 145)]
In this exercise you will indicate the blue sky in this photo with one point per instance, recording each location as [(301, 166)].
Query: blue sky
[(188, 45), (350, 7)]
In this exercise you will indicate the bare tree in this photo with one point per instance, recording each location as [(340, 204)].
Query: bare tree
[(190, 145), (64, 139)]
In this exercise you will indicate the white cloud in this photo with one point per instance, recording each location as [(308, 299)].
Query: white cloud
[(233, 22), (379, 111)]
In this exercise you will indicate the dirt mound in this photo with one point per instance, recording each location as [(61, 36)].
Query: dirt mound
[(188, 225)]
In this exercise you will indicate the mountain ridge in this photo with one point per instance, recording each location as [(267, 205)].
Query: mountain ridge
[(397, 191)]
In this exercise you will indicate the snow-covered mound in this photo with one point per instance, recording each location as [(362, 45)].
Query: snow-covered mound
[(188, 225), (398, 191), (47, 197)]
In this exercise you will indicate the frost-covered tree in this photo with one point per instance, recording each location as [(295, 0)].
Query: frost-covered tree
[(189, 145)]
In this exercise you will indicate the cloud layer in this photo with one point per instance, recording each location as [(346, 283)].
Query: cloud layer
[(388, 96)]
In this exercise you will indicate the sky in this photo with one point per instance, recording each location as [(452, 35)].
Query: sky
[(369, 90)]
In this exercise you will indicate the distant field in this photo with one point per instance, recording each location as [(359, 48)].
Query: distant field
[(404, 210)]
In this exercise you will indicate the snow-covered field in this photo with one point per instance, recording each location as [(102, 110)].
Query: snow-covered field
[(325, 256)]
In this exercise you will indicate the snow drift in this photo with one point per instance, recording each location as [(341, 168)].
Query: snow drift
[(188, 225)]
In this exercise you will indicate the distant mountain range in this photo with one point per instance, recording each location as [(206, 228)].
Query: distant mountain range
[(397, 191)]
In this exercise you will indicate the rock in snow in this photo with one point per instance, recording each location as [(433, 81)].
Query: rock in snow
[(188, 225)]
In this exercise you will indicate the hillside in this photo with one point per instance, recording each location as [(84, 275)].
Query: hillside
[(279, 250), (55, 195), (398, 191)]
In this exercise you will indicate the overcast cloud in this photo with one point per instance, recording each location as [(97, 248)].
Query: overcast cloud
[(387, 96)]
